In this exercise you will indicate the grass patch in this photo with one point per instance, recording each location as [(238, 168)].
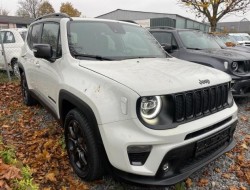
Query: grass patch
[(22, 175), (4, 77)]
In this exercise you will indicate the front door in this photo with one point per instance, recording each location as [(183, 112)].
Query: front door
[(48, 83)]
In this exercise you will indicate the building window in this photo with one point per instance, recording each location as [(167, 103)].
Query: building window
[(232, 28)]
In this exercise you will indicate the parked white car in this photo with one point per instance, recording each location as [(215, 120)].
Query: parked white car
[(13, 41), (242, 38), (124, 102)]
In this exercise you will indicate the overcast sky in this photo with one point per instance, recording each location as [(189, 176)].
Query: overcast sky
[(93, 8)]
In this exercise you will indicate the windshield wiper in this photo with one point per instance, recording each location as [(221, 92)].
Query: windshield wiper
[(194, 48), (98, 57), (140, 57)]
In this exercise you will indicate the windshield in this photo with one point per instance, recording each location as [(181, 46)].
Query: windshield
[(219, 41), (197, 40), (226, 38), (111, 40), (241, 38)]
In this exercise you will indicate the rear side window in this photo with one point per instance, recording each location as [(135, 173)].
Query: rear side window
[(35, 35)]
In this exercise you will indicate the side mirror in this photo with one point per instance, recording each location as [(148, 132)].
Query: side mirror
[(167, 47), (43, 51)]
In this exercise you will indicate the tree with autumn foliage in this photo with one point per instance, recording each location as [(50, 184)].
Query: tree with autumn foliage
[(45, 8), (69, 9), (215, 10)]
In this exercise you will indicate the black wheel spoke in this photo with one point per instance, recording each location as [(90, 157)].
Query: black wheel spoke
[(76, 145)]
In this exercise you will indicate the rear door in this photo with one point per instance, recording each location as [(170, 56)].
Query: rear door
[(10, 47), (2, 63)]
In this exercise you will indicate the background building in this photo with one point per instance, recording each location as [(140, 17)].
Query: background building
[(14, 22), (242, 26), (151, 19)]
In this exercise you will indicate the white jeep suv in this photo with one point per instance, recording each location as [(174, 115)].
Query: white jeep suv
[(124, 102)]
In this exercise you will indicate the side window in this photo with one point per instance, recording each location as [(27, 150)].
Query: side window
[(50, 35), (9, 38), (35, 35), (165, 38)]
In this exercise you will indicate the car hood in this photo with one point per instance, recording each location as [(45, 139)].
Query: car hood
[(156, 76), (239, 48), (226, 54)]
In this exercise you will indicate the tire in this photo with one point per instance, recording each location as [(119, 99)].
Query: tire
[(82, 147), (27, 98)]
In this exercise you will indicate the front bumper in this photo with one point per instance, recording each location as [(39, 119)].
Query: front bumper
[(183, 161), (241, 88), (118, 136)]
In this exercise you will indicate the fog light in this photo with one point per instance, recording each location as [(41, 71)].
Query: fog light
[(165, 167)]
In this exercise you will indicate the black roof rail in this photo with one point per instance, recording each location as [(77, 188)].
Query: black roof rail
[(162, 27), (54, 15), (130, 21)]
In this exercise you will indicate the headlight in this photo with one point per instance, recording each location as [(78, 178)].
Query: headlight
[(235, 66), (150, 106)]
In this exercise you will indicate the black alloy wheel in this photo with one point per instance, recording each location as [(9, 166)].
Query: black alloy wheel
[(82, 146)]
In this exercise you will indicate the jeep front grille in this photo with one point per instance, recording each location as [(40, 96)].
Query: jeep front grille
[(247, 66), (197, 103)]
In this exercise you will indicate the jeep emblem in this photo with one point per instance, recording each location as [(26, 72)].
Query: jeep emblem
[(204, 81)]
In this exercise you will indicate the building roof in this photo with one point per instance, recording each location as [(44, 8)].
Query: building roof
[(121, 14), (15, 19)]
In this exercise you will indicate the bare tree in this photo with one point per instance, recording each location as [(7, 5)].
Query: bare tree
[(215, 10), (4, 12), (29, 6), (22, 13)]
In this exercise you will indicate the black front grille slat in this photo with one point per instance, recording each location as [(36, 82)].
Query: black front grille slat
[(200, 102), (212, 99), (219, 97), (226, 88), (246, 66), (179, 108), (189, 105), (205, 101)]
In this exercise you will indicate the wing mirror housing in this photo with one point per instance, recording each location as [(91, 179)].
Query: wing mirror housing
[(43, 51), (167, 47)]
